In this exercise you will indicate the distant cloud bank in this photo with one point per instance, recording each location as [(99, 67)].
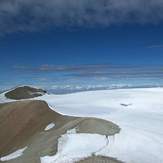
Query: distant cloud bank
[(90, 69), (31, 15), (156, 46)]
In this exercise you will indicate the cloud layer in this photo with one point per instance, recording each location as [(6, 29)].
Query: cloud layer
[(30, 15), (91, 69)]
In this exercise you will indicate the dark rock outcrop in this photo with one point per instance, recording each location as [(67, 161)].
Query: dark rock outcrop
[(24, 92)]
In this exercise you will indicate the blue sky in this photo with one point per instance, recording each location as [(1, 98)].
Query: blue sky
[(125, 44), (36, 36), (68, 32)]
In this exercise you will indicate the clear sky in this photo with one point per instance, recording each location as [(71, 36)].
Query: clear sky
[(83, 32), (114, 45)]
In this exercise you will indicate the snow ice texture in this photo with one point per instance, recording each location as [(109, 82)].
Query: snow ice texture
[(49, 126), (138, 112), (13, 155), (141, 137), (73, 147)]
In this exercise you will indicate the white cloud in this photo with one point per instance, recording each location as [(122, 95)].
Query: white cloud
[(156, 46), (29, 15)]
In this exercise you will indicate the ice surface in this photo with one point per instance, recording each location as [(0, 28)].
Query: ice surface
[(73, 147), (13, 155), (49, 126), (4, 99), (141, 136)]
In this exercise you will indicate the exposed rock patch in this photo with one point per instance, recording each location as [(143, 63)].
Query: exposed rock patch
[(97, 126), (22, 123), (24, 92), (99, 159)]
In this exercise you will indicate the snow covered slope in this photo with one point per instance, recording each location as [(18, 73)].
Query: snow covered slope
[(138, 112), (13, 155), (73, 147)]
